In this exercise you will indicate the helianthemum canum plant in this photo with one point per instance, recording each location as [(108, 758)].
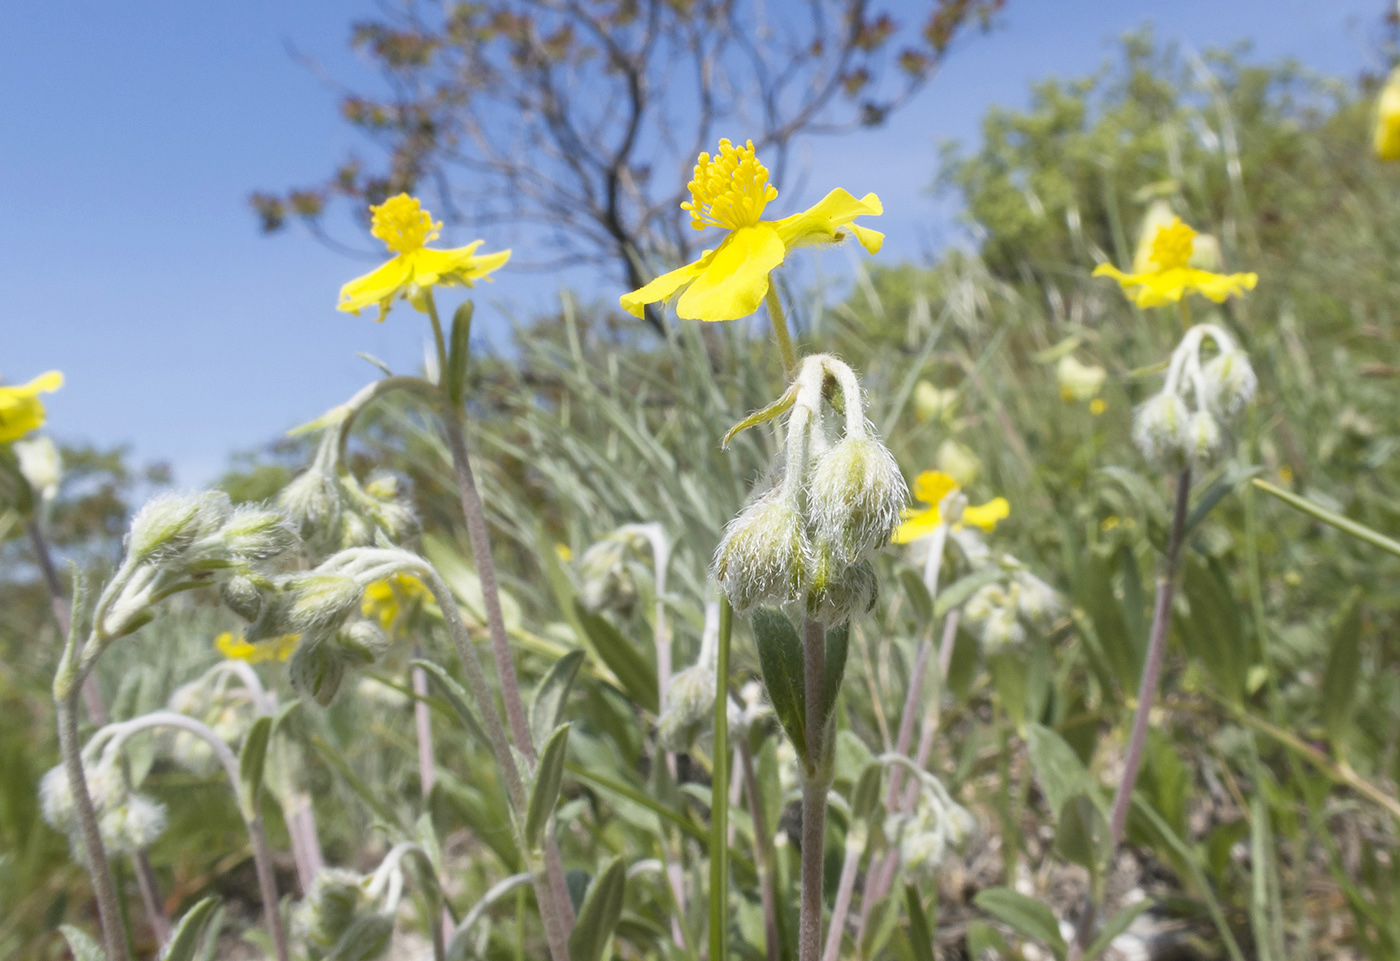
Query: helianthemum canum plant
[(1182, 428), (802, 542)]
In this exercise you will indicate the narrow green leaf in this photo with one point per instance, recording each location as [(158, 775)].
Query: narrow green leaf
[(719, 795), (1115, 926), (1343, 673), (982, 938), (775, 409), (336, 760), (637, 796), (1233, 477), (865, 796), (634, 672), (964, 587), (549, 775), (917, 593), (1026, 915), (920, 934), (1082, 834), (252, 759), (837, 645), (83, 947), (184, 940), (1058, 769), (454, 379), (1121, 650), (599, 914), (780, 662), (547, 705), (1353, 528), (456, 696)]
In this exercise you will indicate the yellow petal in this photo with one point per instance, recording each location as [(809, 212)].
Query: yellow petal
[(986, 515), (1217, 287), (663, 287), (917, 525), (871, 240), (821, 222), (45, 383), (732, 285), (430, 265), (376, 287), (485, 264), (932, 486)]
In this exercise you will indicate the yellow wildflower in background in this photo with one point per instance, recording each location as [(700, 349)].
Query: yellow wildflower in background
[(931, 487), (1079, 381), (731, 191), (274, 649), (387, 600), (21, 411), (1172, 278), (1388, 119), (1097, 406), (403, 224)]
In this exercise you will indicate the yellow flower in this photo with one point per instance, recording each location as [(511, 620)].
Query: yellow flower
[(403, 224), (274, 649), (1079, 381), (730, 191), (20, 408), (931, 487), (388, 599), (1097, 406), (1388, 119), (1172, 278)]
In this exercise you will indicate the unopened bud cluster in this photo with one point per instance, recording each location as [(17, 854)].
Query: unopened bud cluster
[(128, 821), (339, 919), (937, 826), (1188, 422), (1002, 614), (226, 709), (838, 496), (332, 511), (606, 570)]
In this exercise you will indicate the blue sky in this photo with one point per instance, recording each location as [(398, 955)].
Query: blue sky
[(134, 132)]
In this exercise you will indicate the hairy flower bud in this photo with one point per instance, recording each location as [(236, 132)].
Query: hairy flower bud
[(312, 502), (1230, 382), (322, 601), (170, 523), (1036, 601), (1160, 427), (765, 554), (1001, 630), (242, 597), (1203, 438), (690, 701), (328, 910), (256, 533), (316, 670), (848, 592), (855, 495), (363, 642)]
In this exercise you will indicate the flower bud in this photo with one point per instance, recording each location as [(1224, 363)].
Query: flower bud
[(1203, 438), (242, 597), (1160, 427), (363, 642), (1230, 382), (1001, 630), (849, 592), (606, 581), (764, 554), (690, 701), (255, 533), (40, 464), (168, 524), (328, 909), (312, 502), (958, 462), (132, 825), (856, 495), (1036, 601), (931, 403), (316, 670), (322, 601), (1078, 381)]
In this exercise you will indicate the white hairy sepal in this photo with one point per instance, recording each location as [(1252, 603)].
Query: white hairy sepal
[(257, 533), (856, 496), (1160, 428), (321, 602), (329, 907), (1230, 382), (690, 699), (1036, 601), (1203, 437), (848, 591), (765, 554), (170, 524)]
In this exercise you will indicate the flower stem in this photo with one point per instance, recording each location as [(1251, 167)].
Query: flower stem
[(1147, 694), (454, 426), (816, 780), (778, 317), (719, 796), (763, 851), (94, 853)]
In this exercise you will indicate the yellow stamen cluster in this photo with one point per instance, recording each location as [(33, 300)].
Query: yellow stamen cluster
[(1173, 245), (403, 224), (730, 189)]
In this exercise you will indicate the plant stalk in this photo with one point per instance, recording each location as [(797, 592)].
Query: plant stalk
[(763, 851), (1147, 694), (778, 317), (816, 780), (719, 795)]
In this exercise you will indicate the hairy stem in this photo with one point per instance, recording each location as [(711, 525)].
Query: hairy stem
[(816, 779), (94, 853), (778, 317), (1147, 694)]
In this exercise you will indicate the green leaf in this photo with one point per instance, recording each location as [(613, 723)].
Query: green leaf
[(547, 705), (1115, 926), (865, 796), (920, 936), (1082, 834), (1233, 477), (454, 379), (775, 409), (1213, 632), (780, 662), (964, 587), (1026, 915), (917, 592), (982, 937), (837, 644), (184, 940), (602, 907), (1058, 769), (456, 696), (1343, 673), (252, 759), (83, 947), (1338, 521), (1120, 649), (634, 672), (544, 794)]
